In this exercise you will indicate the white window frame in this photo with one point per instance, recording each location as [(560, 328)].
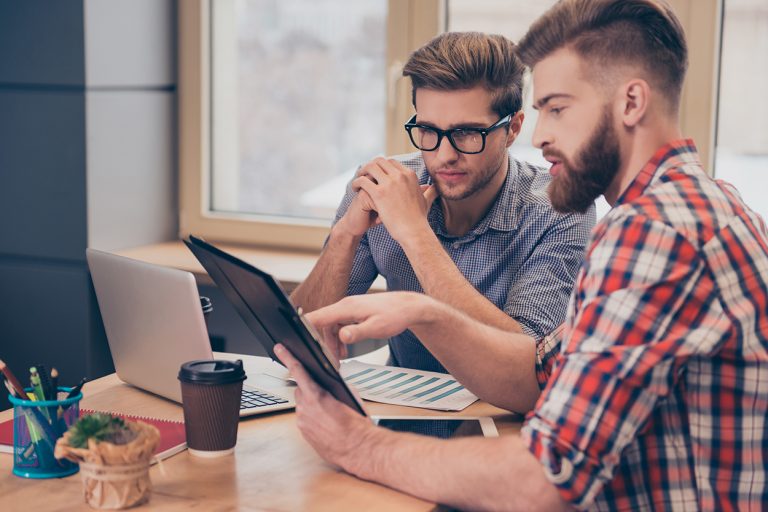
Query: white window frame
[(410, 23), (702, 21)]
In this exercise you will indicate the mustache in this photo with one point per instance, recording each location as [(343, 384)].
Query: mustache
[(554, 154)]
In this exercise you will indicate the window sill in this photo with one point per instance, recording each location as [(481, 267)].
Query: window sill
[(288, 267)]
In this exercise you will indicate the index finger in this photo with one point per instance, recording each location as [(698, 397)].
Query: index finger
[(340, 313), (371, 168), (390, 164)]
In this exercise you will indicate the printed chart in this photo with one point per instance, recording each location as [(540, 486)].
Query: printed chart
[(404, 386)]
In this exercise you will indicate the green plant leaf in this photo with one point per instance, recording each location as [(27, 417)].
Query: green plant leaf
[(99, 427)]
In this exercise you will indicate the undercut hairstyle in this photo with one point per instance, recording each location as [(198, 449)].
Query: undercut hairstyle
[(610, 33), (462, 60)]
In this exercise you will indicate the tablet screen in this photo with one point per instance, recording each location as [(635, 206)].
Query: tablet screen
[(442, 428)]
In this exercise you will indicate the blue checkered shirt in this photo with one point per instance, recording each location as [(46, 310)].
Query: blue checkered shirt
[(523, 256)]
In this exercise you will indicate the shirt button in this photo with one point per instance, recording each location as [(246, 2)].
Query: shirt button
[(456, 245)]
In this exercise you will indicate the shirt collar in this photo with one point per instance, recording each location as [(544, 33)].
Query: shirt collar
[(673, 154), (502, 216)]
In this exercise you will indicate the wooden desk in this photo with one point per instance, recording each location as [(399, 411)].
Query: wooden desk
[(273, 468)]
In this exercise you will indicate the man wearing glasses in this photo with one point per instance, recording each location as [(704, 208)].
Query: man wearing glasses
[(461, 220)]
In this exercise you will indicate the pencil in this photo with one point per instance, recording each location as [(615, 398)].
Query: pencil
[(12, 379)]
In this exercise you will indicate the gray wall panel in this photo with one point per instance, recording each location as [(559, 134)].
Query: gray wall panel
[(79, 163), (131, 162), (42, 169), (42, 42), (44, 319), (130, 43)]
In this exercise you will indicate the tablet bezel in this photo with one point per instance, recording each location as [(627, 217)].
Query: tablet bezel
[(304, 344)]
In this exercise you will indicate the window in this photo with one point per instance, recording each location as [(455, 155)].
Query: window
[(741, 155), (281, 99), (298, 98)]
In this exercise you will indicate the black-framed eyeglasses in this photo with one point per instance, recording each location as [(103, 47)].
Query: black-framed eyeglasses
[(464, 140)]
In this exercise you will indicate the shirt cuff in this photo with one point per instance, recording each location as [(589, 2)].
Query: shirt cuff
[(547, 350), (569, 471)]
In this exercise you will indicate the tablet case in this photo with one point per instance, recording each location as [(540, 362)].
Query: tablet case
[(268, 312)]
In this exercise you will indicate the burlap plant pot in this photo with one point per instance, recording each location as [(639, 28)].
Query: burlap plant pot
[(114, 476)]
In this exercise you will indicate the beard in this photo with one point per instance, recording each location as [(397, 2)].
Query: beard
[(578, 184), (479, 179)]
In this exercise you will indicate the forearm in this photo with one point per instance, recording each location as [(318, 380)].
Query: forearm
[(496, 365), (440, 278), (471, 473), (329, 279)]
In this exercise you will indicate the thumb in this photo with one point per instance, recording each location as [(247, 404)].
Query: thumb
[(349, 334), (430, 194)]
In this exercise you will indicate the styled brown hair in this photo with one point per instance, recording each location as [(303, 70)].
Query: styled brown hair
[(462, 60), (609, 32)]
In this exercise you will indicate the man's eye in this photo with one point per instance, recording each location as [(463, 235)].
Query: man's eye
[(555, 110), (465, 134)]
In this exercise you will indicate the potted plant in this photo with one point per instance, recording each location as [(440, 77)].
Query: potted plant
[(114, 457)]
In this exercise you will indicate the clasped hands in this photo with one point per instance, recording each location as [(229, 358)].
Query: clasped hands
[(388, 193)]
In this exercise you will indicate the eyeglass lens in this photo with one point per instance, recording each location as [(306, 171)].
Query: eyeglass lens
[(464, 140)]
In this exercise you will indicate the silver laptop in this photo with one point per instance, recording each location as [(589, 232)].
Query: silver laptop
[(154, 323)]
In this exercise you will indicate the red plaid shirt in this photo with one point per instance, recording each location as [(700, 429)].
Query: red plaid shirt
[(658, 397)]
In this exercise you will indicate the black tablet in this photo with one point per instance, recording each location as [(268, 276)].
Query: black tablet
[(268, 312), (444, 427)]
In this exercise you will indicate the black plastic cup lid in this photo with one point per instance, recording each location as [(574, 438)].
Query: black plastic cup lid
[(212, 372)]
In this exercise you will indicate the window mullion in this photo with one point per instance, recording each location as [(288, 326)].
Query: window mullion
[(410, 24)]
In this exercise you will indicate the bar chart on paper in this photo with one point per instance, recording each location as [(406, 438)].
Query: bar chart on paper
[(404, 386)]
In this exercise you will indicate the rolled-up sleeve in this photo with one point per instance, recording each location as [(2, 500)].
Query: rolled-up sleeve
[(547, 349)]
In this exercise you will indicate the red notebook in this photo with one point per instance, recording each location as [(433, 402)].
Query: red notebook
[(173, 439)]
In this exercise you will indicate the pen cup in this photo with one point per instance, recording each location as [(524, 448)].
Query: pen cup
[(36, 427)]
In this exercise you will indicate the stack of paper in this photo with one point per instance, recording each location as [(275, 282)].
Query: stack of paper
[(403, 386)]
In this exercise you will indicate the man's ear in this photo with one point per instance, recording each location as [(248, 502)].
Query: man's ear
[(515, 125), (635, 101)]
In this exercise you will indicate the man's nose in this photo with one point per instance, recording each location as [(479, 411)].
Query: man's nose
[(541, 135), (445, 150)]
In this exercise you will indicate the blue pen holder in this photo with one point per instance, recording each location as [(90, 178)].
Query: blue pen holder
[(36, 427)]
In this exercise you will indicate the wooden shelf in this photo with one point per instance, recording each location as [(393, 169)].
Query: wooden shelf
[(288, 267)]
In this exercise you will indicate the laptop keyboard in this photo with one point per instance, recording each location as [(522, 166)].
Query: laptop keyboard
[(253, 398)]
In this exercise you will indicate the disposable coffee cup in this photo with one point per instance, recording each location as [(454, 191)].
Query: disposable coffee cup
[(210, 394)]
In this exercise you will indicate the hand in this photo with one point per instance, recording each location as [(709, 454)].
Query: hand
[(360, 216), (396, 196), (334, 430), (379, 315), (330, 338)]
